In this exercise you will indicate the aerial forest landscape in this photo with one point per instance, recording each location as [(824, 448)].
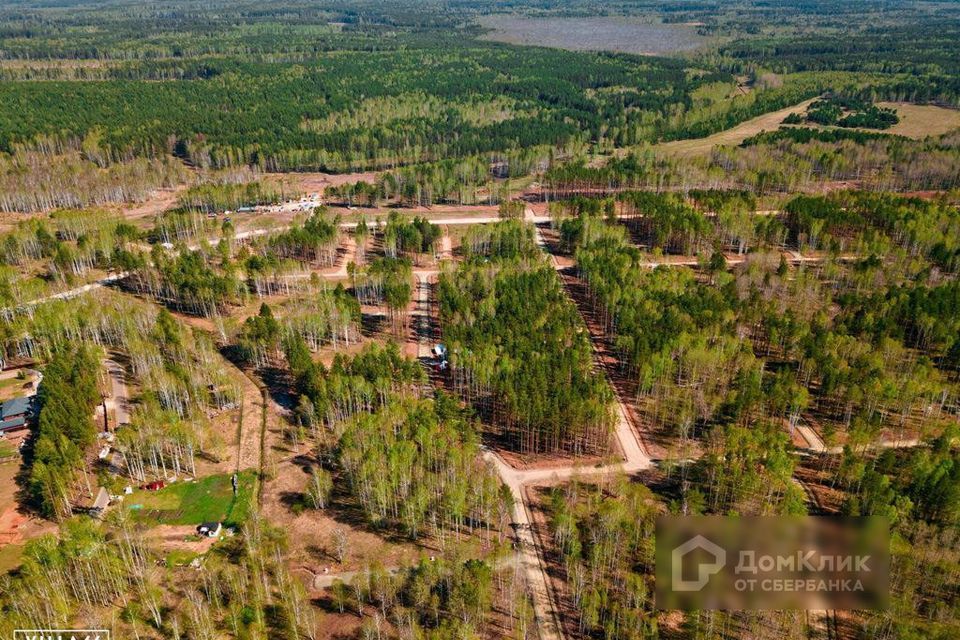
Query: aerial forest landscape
[(416, 320)]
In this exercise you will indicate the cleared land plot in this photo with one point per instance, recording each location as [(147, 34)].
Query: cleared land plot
[(7, 449), (593, 34), (734, 136), (917, 121), (12, 386), (208, 499), (921, 120)]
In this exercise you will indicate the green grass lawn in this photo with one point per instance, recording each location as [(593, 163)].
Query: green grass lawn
[(208, 499), (13, 387), (7, 449), (10, 558)]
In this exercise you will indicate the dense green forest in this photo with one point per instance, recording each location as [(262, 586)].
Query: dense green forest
[(677, 329), (139, 91), (768, 326), (66, 428), (304, 116), (411, 462), (517, 346)]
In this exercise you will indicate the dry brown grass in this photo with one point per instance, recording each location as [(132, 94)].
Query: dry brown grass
[(916, 121), (733, 136), (921, 120)]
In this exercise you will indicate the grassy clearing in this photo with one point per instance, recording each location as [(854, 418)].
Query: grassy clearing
[(10, 558), (7, 449), (208, 499), (733, 136), (12, 387), (921, 120), (179, 558)]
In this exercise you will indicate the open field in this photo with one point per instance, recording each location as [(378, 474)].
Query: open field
[(594, 34), (7, 449), (208, 499), (734, 136), (921, 120), (916, 121)]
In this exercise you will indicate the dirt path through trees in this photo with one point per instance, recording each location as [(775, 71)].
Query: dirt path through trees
[(249, 446), (120, 397)]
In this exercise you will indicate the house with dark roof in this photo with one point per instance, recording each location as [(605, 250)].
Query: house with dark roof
[(15, 414)]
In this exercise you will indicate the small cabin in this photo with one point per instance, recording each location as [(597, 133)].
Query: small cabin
[(14, 414), (210, 529)]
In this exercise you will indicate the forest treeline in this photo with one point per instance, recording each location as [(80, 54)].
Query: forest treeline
[(410, 461), (37, 179), (182, 380), (869, 368), (518, 348), (271, 127), (781, 162), (419, 94), (66, 399)]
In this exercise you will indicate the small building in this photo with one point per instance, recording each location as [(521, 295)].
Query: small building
[(15, 414), (210, 529)]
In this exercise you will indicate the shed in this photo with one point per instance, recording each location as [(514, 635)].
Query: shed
[(15, 413)]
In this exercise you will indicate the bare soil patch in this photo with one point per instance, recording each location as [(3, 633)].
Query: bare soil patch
[(315, 182), (17, 524), (144, 212), (169, 537)]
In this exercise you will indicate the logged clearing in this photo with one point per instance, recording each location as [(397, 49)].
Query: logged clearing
[(602, 33), (916, 121), (317, 182), (734, 136), (921, 120)]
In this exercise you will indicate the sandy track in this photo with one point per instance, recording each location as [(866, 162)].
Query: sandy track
[(248, 449), (120, 396), (733, 136)]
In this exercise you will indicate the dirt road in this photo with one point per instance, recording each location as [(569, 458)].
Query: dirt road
[(120, 399)]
